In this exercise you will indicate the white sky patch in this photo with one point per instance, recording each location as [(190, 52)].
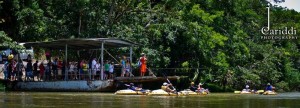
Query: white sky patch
[(290, 4)]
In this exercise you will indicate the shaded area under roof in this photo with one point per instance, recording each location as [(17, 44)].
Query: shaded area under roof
[(82, 43)]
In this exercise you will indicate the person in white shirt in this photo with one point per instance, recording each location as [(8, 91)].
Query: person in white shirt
[(94, 68), (111, 70), (71, 70), (98, 70)]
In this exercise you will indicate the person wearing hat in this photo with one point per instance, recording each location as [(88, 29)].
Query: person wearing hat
[(270, 87), (166, 87), (10, 57), (193, 87), (143, 66), (246, 89)]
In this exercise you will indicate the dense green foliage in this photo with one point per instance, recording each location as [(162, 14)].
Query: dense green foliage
[(217, 41)]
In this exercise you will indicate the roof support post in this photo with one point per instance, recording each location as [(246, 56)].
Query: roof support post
[(130, 56), (102, 66), (66, 63)]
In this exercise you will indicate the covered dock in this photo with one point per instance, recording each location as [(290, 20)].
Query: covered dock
[(84, 43), (85, 84)]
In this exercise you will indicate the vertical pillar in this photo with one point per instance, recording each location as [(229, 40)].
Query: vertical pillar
[(130, 56), (66, 62), (102, 65)]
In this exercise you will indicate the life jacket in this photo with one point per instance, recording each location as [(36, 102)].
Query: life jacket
[(269, 87)]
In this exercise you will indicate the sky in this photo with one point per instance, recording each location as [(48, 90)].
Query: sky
[(290, 4)]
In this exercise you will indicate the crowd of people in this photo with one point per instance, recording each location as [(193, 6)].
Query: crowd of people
[(45, 70)]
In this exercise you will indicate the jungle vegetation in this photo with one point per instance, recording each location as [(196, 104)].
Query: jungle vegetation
[(213, 41)]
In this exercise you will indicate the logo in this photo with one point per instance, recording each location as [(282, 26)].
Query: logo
[(284, 33)]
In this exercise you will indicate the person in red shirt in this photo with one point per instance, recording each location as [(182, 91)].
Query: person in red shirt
[(42, 71), (143, 67)]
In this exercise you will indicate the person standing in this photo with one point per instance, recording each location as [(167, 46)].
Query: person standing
[(19, 68), (94, 68), (35, 69), (42, 71), (55, 68), (80, 68), (9, 70), (85, 70), (48, 71), (29, 74), (63, 69), (123, 64), (143, 66), (72, 71), (111, 70), (14, 72), (5, 68), (106, 69), (128, 68), (98, 72)]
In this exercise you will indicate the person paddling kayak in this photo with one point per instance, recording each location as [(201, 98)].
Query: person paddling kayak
[(200, 89), (270, 87), (167, 87), (193, 87), (132, 87)]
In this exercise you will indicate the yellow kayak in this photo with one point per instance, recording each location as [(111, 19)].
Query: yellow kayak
[(247, 92), (161, 92), (259, 92), (189, 92), (269, 93), (131, 92)]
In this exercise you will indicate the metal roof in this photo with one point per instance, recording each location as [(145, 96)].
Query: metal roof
[(82, 43)]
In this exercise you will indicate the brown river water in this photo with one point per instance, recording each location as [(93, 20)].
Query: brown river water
[(109, 100)]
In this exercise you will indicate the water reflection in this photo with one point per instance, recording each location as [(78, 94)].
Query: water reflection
[(109, 100)]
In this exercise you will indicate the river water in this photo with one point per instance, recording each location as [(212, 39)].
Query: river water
[(109, 100)]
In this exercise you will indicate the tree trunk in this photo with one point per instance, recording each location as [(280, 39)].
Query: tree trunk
[(79, 24), (110, 12)]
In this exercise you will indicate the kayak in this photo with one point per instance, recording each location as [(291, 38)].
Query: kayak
[(247, 92), (259, 92), (161, 92), (189, 92), (131, 92), (269, 93)]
